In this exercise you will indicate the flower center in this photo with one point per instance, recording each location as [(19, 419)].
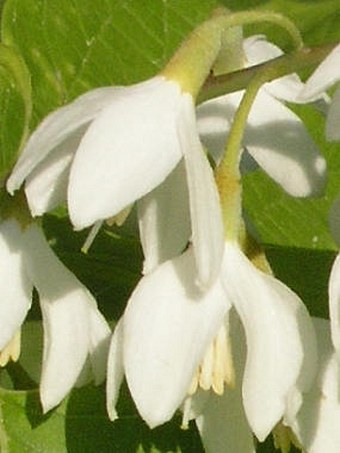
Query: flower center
[(217, 367)]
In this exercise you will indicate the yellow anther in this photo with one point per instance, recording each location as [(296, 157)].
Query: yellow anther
[(12, 350)]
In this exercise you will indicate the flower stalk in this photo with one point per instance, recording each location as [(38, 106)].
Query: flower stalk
[(193, 61), (300, 59), (227, 174)]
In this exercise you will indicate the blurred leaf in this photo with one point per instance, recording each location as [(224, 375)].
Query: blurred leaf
[(317, 20), (80, 424), (15, 106), (295, 222), (71, 47), (306, 272)]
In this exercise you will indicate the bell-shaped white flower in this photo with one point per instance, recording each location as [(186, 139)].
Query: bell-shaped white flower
[(112, 146), (74, 330), (326, 75), (274, 137), (161, 338), (169, 324)]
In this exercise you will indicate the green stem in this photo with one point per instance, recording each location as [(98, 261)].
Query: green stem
[(278, 67), (227, 174), (191, 64)]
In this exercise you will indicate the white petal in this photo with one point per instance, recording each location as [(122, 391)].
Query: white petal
[(15, 286), (334, 303), (164, 220), (277, 326), (99, 342), (46, 185), (259, 50), (168, 324), (56, 128), (325, 75), (277, 139), (333, 118), (115, 371), (65, 305), (126, 152), (317, 424), (205, 210), (274, 136)]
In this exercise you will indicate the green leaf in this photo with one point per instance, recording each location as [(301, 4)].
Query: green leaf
[(318, 20), (287, 221), (71, 47), (80, 424), (15, 106)]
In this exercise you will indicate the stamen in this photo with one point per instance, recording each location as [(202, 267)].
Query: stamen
[(12, 350), (120, 218), (186, 414), (91, 236), (217, 367), (224, 371), (207, 368), (194, 384)]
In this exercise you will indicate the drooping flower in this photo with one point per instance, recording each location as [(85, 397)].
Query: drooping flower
[(169, 324), (326, 75), (75, 333), (274, 136), (112, 146)]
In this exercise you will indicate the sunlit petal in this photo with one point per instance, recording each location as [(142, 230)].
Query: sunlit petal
[(46, 185), (168, 325), (276, 325), (56, 128), (65, 305), (15, 285), (206, 217), (325, 75), (126, 152)]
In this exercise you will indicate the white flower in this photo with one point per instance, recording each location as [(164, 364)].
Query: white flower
[(74, 330), (275, 136), (169, 325), (326, 75), (112, 146), (317, 423)]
